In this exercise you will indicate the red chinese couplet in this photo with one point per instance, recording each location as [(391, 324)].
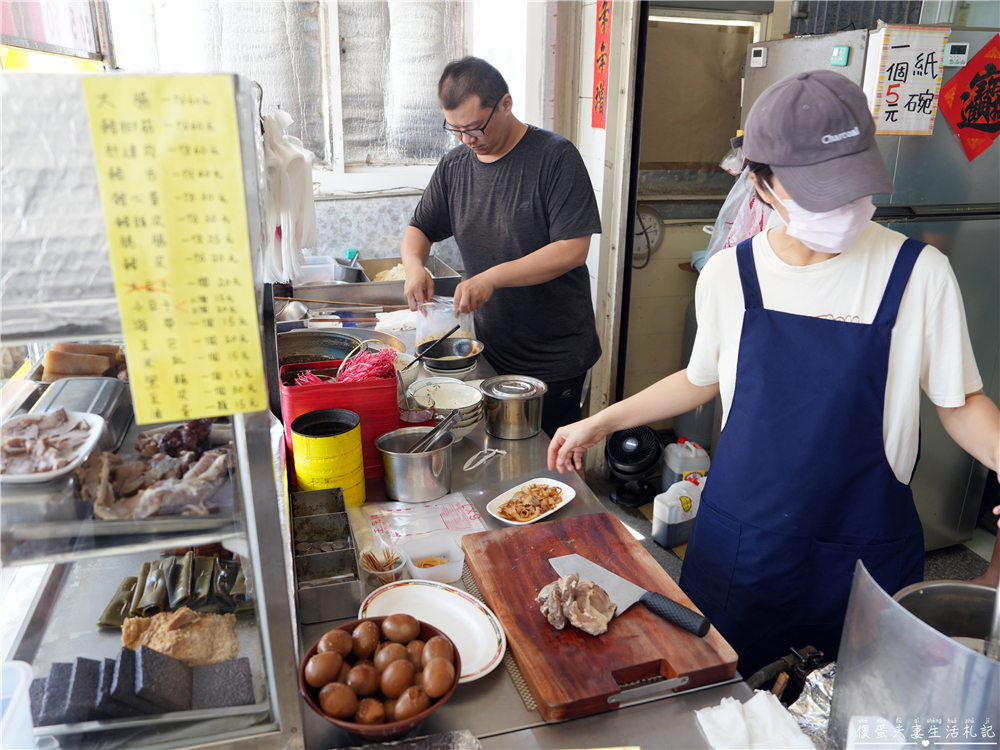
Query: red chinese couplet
[(602, 45), (970, 101)]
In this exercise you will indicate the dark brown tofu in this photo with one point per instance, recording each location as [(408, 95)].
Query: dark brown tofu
[(162, 680), (228, 683)]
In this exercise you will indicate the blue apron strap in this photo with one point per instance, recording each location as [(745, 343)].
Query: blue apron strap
[(748, 275), (898, 279)]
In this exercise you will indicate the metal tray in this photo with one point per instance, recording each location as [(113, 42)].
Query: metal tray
[(108, 397), (63, 626), (49, 522), (383, 292)]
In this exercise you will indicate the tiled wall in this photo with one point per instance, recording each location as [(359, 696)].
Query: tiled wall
[(374, 227)]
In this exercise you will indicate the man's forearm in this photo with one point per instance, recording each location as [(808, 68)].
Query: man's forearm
[(416, 248), (975, 427), (546, 263)]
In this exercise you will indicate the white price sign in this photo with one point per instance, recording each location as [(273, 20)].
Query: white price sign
[(905, 66)]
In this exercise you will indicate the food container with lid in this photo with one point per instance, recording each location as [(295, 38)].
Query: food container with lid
[(513, 406)]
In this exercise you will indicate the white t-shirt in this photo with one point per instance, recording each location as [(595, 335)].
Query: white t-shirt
[(930, 346)]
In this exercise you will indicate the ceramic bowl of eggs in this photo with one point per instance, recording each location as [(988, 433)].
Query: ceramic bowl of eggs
[(380, 677)]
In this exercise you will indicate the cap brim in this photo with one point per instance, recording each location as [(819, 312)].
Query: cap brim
[(834, 183)]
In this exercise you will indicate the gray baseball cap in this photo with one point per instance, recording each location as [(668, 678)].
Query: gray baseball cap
[(815, 131)]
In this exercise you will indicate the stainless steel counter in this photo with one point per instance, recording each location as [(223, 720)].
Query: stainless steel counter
[(491, 707)]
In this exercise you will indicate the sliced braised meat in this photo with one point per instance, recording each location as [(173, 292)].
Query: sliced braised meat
[(582, 604)]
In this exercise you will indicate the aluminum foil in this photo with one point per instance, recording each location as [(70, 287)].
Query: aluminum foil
[(812, 709), (54, 254), (389, 76)]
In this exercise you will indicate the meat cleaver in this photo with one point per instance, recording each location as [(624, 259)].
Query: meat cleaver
[(624, 593)]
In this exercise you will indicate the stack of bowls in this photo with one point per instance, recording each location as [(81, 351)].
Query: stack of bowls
[(449, 393), (453, 357), (461, 374)]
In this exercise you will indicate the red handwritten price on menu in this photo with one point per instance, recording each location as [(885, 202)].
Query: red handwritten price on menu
[(170, 172)]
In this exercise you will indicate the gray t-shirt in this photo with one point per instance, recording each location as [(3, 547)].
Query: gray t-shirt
[(538, 193)]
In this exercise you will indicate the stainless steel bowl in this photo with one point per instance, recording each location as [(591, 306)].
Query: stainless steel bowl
[(415, 477), (452, 354), (513, 406)]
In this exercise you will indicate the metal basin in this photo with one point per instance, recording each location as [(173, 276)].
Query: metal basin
[(415, 477), (452, 354), (307, 345)]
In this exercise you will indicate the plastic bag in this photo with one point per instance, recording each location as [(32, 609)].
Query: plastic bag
[(742, 216), (732, 162), (289, 210), (437, 317), (395, 523)]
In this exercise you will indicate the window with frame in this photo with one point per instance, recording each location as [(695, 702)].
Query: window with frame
[(358, 77)]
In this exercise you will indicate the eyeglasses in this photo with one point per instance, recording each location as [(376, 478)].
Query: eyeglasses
[(475, 132)]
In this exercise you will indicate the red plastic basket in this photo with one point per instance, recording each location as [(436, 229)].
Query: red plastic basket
[(374, 401)]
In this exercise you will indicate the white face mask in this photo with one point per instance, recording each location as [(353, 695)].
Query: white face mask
[(827, 231)]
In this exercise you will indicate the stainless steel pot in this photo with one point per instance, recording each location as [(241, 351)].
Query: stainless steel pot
[(415, 477), (513, 406)]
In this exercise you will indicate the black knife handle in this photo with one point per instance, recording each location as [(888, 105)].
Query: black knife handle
[(676, 613)]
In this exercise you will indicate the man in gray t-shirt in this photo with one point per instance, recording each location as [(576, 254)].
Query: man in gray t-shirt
[(519, 202)]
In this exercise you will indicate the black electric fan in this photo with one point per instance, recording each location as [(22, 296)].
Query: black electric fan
[(633, 456)]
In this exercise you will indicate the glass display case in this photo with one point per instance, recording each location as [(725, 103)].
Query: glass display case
[(175, 543)]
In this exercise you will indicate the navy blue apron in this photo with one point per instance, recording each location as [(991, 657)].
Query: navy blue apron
[(800, 487)]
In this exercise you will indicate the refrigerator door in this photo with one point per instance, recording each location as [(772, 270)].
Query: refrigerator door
[(787, 56), (948, 484), (933, 169)]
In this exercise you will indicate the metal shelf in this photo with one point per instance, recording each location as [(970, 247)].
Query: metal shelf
[(60, 288)]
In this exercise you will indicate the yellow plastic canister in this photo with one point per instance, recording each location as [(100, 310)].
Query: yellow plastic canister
[(326, 446)]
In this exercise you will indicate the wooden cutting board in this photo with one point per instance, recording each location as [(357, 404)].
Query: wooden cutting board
[(570, 673)]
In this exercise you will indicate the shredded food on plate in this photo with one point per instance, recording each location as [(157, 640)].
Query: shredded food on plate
[(529, 502)]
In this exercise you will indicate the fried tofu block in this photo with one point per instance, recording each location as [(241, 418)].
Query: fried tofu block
[(67, 363)]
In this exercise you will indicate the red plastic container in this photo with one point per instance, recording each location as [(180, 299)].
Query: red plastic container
[(374, 401)]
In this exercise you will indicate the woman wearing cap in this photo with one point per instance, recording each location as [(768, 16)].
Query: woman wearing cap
[(818, 334)]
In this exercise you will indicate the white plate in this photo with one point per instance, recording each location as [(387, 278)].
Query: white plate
[(472, 627), (568, 494), (96, 423)]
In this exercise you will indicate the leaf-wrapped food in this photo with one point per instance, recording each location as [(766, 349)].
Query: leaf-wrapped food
[(154, 593), (140, 587), (179, 581), (117, 610)]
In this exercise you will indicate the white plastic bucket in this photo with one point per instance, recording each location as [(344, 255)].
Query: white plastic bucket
[(680, 460)]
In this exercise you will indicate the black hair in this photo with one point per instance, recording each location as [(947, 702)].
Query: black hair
[(469, 76), (763, 171)]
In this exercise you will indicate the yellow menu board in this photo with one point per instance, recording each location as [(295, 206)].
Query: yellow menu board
[(170, 173)]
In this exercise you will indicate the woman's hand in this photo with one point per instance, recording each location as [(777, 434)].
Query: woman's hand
[(570, 443)]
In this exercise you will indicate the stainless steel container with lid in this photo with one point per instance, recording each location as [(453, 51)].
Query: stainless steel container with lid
[(513, 406), (108, 397)]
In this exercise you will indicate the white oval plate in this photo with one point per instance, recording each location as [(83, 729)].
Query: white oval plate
[(568, 494), (96, 422), (472, 627)]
